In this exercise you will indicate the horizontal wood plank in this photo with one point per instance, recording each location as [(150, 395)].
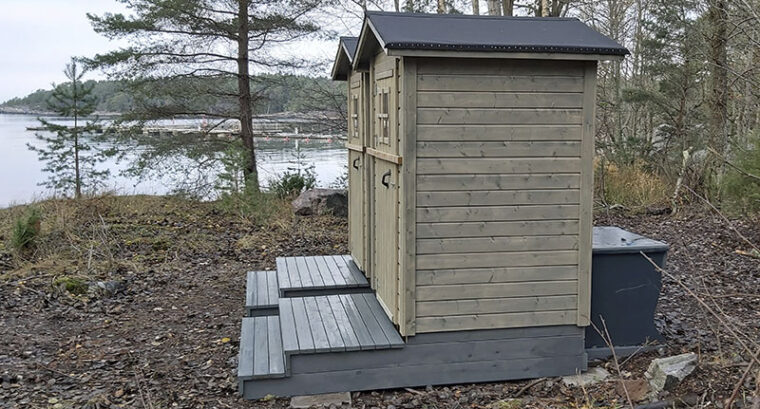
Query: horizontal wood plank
[(491, 244), (498, 116), (498, 132), (505, 149), (496, 275), (504, 320), (496, 290), (497, 259), (497, 213), (497, 197), (486, 229), (489, 99), (492, 66), (496, 305), (472, 182), (493, 165), (527, 83)]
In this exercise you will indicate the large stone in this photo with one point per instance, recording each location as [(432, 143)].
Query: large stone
[(593, 375), (324, 400), (322, 201), (664, 374)]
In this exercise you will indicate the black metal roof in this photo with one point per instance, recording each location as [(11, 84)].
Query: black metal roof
[(344, 58), (412, 31)]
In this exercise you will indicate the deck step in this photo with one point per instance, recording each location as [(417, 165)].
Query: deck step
[(261, 351), (335, 323), (262, 293), (319, 275)]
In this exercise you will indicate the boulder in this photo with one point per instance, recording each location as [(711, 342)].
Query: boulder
[(664, 374), (322, 201)]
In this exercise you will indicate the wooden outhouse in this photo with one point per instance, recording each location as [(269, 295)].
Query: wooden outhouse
[(471, 142), (471, 207)]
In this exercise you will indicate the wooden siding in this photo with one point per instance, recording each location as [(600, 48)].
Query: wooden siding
[(501, 173)]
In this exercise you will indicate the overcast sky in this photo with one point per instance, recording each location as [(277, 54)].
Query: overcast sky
[(38, 38)]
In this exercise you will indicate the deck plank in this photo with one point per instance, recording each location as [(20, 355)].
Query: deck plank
[(282, 273), (276, 353), (355, 271), (357, 323), (375, 330), (334, 337), (305, 339), (245, 358), (315, 272), (262, 296), (288, 326), (341, 274), (318, 333), (325, 271), (296, 279), (347, 331), (273, 288), (385, 323), (303, 272), (260, 347), (250, 289)]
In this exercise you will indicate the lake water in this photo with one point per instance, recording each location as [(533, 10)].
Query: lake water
[(21, 172)]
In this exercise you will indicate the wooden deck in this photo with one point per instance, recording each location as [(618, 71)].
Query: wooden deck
[(329, 333), (319, 275)]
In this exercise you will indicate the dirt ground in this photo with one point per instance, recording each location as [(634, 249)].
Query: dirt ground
[(163, 330)]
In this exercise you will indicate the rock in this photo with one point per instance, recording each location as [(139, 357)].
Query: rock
[(109, 288), (325, 400), (666, 373), (637, 389), (593, 375), (322, 201)]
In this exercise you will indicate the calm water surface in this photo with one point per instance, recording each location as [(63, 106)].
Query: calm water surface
[(21, 173)]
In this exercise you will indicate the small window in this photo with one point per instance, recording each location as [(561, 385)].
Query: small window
[(355, 116), (383, 117)]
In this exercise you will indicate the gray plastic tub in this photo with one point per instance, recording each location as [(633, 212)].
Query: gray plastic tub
[(624, 290)]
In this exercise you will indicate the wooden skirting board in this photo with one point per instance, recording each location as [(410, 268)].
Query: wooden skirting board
[(433, 359)]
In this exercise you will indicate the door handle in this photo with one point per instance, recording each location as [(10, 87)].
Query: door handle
[(385, 179), (355, 165)]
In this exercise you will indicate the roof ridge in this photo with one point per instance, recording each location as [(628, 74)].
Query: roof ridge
[(464, 16)]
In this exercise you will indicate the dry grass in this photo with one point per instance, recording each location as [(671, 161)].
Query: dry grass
[(632, 187)]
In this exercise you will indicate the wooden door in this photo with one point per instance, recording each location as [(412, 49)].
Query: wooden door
[(385, 236), (356, 223)]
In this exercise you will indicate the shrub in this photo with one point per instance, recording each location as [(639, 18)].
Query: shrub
[(73, 285), (741, 185), (632, 186), (26, 230), (292, 183)]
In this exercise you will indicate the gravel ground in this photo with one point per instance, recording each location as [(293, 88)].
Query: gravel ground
[(164, 333)]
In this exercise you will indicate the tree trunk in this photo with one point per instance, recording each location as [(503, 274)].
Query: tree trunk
[(493, 8), (475, 7), (441, 6), (544, 8), (718, 100), (509, 7), (244, 99), (396, 5), (75, 132)]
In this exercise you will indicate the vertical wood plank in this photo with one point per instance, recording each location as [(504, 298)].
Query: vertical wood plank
[(292, 272), (357, 323), (408, 198), (321, 343), (245, 359), (587, 195), (347, 333), (276, 354), (334, 337), (262, 297), (288, 325), (272, 288), (260, 347), (282, 273), (305, 339), (327, 275)]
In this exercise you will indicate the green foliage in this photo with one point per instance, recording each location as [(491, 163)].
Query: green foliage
[(741, 185), (71, 152), (73, 285), (26, 230), (255, 206), (300, 176)]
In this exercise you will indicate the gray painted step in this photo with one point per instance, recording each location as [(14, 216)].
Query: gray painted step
[(335, 323), (261, 353), (319, 275), (261, 293)]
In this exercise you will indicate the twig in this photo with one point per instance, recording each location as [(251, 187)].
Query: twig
[(738, 386), (736, 168), (705, 306), (608, 341), (530, 385), (725, 219), (414, 391)]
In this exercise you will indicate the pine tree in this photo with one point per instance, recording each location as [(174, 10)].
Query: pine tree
[(69, 152)]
